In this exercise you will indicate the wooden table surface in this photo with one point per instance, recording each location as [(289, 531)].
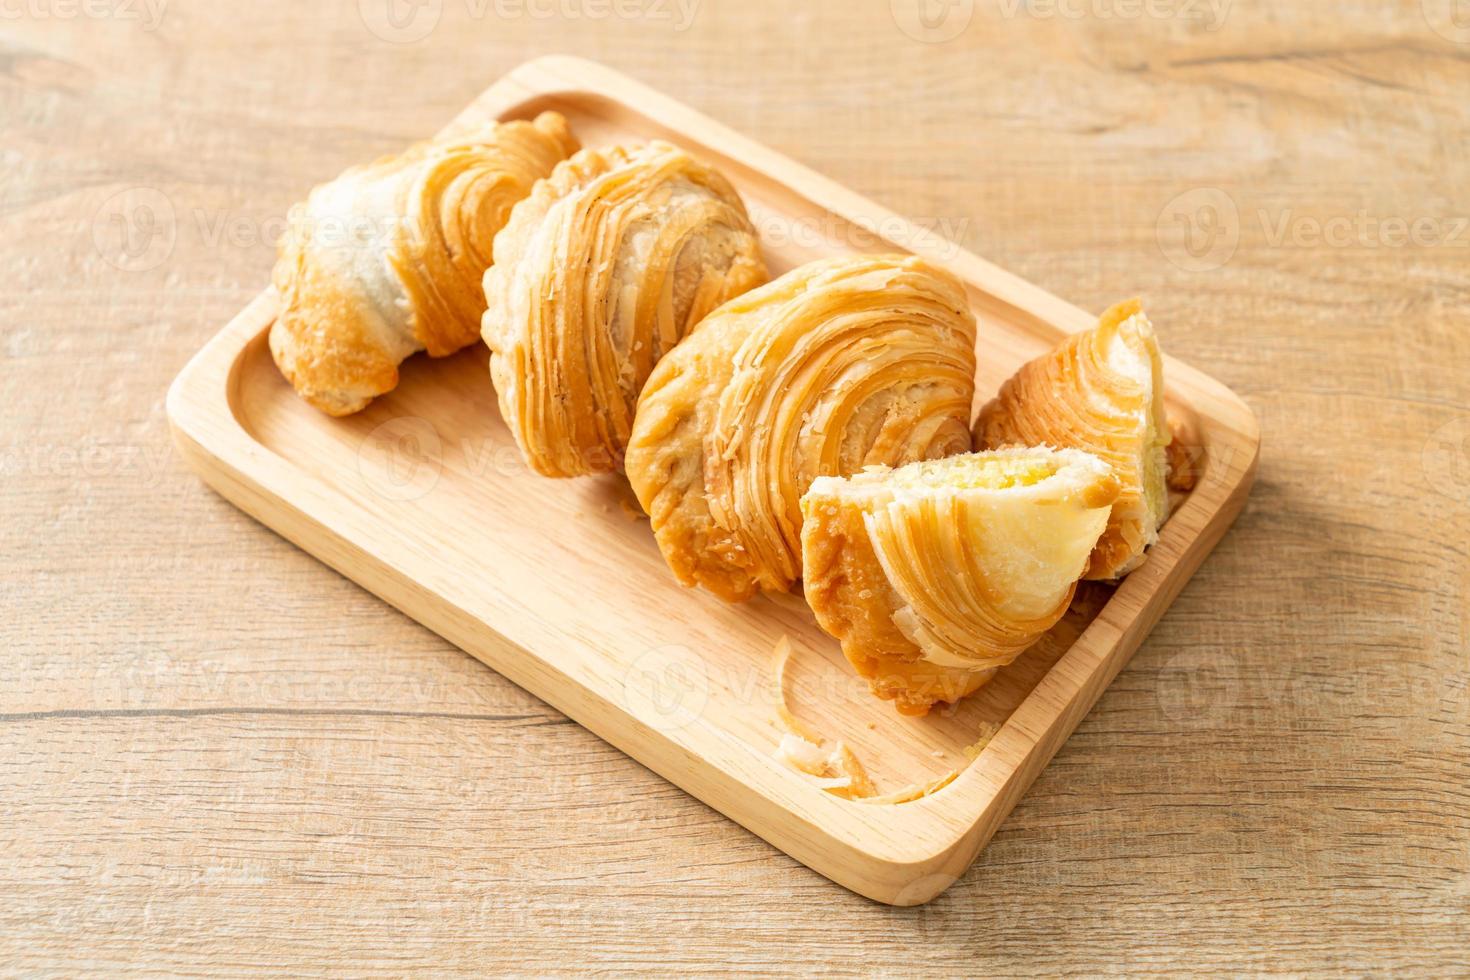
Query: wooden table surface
[(216, 754)]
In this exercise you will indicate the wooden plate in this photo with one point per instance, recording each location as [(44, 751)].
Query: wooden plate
[(558, 585)]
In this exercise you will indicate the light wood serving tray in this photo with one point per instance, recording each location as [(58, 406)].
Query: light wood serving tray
[(558, 585)]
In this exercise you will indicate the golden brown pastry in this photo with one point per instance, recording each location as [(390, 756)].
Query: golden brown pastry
[(1185, 456), (388, 258), (599, 273), (837, 365), (1101, 391), (938, 573)]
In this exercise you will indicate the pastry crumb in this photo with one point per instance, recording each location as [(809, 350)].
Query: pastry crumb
[(834, 768), (987, 732)]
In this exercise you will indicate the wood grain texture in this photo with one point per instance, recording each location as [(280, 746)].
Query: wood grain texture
[(219, 755), (424, 500)]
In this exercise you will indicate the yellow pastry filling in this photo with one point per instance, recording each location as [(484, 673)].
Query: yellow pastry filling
[(974, 472)]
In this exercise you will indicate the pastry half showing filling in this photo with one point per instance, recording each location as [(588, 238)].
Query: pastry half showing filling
[(837, 365), (1101, 391), (936, 574), (387, 259), (599, 273)]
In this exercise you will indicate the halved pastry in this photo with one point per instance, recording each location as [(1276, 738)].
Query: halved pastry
[(388, 258), (599, 273), (1101, 391), (836, 365), (938, 573)]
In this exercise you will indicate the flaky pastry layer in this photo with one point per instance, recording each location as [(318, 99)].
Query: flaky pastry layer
[(936, 574), (836, 365), (388, 258), (1101, 391), (597, 276)]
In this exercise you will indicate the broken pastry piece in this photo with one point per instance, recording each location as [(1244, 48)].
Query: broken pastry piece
[(836, 365), (1101, 391), (597, 276), (938, 573), (387, 259)]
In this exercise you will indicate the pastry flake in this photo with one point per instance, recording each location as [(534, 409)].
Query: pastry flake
[(836, 365), (387, 259), (936, 574), (839, 771), (598, 274), (1101, 391)]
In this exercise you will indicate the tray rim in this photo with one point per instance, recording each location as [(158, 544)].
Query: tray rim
[(902, 855)]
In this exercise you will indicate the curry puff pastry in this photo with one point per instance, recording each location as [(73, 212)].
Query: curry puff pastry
[(597, 276), (1101, 391), (935, 575), (387, 259), (837, 365)]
